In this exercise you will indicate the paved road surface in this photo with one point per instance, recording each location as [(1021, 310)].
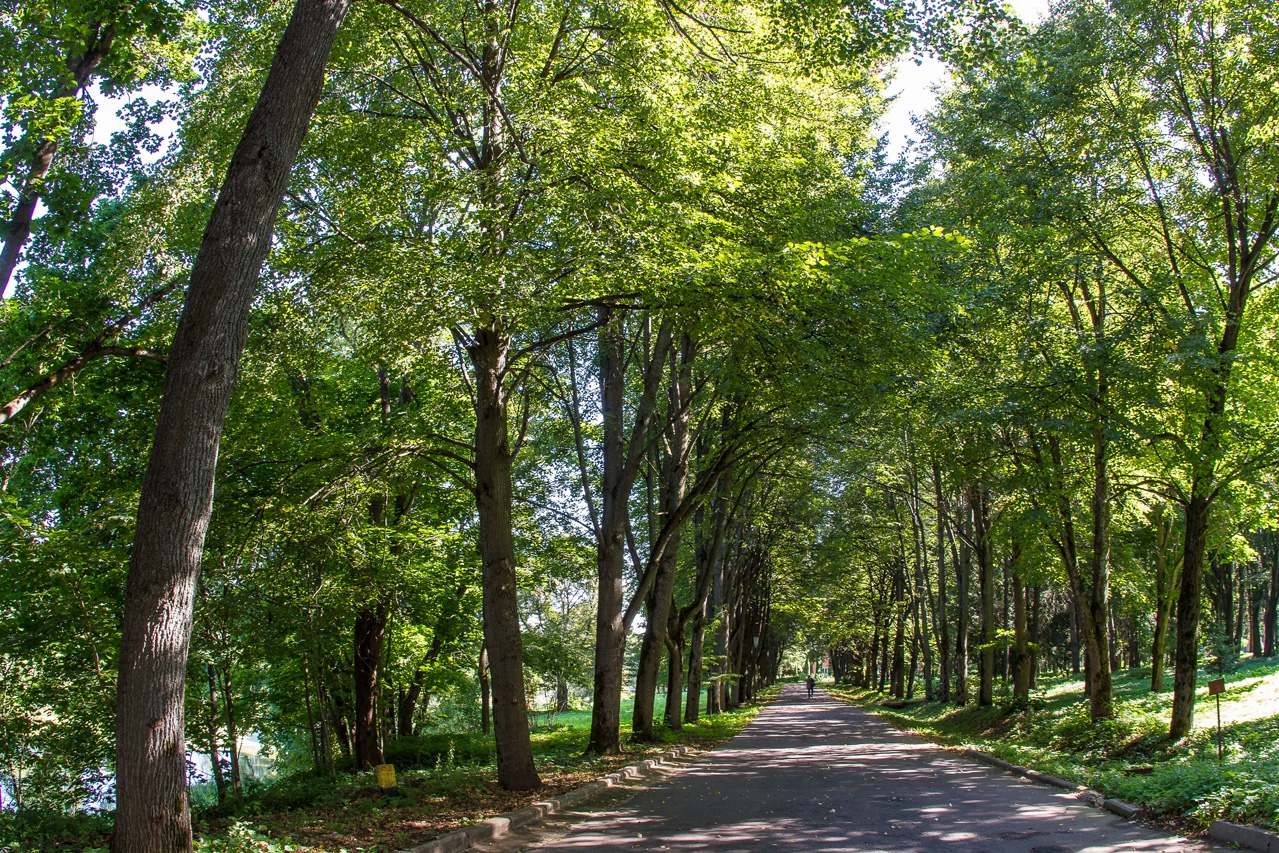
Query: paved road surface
[(822, 776)]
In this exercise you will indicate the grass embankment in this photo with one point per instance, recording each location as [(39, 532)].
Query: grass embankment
[(446, 781), (1129, 756)]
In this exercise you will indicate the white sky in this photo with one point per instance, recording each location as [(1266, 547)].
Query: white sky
[(916, 79)]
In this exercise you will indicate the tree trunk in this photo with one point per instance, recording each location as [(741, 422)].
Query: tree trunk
[(1165, 584), (621, 461), (610, 634), (1189, 600), (715, 607), (1022, 662), (675, 642), (1074, 638), (414, 695), (983, 546), (898, 677), (152, 815), (963, 578), (942, 620), (493, 461), (370, 635), (310, 718), (561, 695), (1090, 605), (232, 734), (653, 648), (485, 706), (1270, 549), (214, 759), (1035, 609), (693, 702)]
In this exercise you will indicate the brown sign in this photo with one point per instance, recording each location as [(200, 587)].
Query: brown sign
[(1217, 685)]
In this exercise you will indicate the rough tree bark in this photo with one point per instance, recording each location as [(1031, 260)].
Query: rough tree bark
[(493, 462), (152, 815)]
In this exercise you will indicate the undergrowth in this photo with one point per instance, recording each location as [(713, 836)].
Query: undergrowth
[(446, 780)]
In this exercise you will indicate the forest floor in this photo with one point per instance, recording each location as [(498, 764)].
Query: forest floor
[(309, 815), (1128, 757)]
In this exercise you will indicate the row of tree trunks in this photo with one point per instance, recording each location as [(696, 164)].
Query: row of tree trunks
[(677, 446), (622, 457)]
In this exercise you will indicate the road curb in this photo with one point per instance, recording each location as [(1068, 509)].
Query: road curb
[(499, 825), (1033, 775), (1244, 836), (1127, 811)]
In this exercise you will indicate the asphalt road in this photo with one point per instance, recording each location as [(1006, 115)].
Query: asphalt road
[(822, 776)]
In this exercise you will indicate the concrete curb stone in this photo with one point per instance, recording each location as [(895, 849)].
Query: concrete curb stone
[(1033, 775), (499, 825), (1244, 836), (1125, 810)]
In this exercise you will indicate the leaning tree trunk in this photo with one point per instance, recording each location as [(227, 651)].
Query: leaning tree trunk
[(493, 492), (152, 815)]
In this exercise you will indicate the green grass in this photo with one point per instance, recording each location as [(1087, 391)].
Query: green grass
[(446, 780), (1129, 756)]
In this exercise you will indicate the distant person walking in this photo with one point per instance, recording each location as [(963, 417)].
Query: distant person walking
[(812, 685)]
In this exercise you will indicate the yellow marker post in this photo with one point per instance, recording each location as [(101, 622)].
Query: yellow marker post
[(386, 780)]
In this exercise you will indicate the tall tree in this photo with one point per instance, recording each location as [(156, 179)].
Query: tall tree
[(152, 813)]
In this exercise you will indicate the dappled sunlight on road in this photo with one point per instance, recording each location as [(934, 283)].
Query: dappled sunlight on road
[(822, 776)]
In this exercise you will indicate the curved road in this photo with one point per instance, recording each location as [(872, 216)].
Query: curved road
[(822, 776)]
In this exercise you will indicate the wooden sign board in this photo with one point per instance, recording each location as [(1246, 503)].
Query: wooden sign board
[(1217, 685)]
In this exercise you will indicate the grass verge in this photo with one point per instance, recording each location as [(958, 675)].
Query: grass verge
[(1129, 756), (455, 787)]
